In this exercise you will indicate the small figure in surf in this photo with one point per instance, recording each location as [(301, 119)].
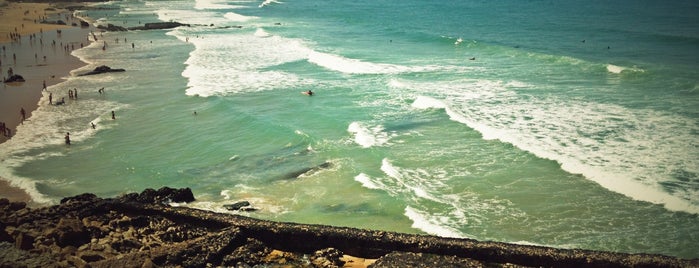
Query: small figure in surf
[(309, 93), (67, 138)]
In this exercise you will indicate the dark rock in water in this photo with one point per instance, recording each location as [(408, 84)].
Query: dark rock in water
[(111, 28), (237, 205), (14, 78), (84, 23), (296, 174), (159, 25), (163, 196), (79, 198), (102, 69)]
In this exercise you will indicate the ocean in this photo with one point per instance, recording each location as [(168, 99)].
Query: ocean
[(559, 123)]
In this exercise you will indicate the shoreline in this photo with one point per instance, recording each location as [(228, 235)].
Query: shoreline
[(42, 54)]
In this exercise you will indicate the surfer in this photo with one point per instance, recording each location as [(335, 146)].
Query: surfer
[(309, 93)]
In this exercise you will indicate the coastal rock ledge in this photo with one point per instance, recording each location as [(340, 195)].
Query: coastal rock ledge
[(102, 69), (142, 230)]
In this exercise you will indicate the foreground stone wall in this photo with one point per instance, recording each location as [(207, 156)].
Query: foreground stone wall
[(140, 230)]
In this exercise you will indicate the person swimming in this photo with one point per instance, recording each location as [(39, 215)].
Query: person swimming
[(309, 93)]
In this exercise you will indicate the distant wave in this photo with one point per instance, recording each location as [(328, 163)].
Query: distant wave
[(353, 66), (619, 69), (237, 17), (211, 4), (268, 2)]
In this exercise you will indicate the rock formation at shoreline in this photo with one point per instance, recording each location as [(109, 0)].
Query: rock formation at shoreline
[(141, 230), (148, 26), (158, 26), (102, 69), (14, 78)]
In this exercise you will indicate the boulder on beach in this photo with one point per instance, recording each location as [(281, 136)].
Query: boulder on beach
[(102, 69), (14, 78)]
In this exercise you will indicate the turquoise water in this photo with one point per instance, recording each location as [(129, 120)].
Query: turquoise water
[(560, 124)]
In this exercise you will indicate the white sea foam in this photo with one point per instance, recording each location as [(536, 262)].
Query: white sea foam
[(431, 224), (47, 127), (28, 185), (237, 17), (191, 17), (353, 66), (619, 69), (368, 137), (366, 181), (268, 2), (262, 33), (626, 151), (233, 63), (211, 4)]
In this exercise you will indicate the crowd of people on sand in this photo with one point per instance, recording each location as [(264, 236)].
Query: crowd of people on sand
[(36, 42)]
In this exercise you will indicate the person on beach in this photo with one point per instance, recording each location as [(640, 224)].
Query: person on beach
[(113, 116), (44, 84), (24, 115), (67, 138), (93, 125), (75, 93), (50, 98)]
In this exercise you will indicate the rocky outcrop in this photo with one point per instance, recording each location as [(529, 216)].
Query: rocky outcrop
[(148, 26), (14, 78), (159, 25), (102, 69), (142, 230), (111, 28)]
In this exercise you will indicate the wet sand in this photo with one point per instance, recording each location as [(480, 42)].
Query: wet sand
[(37, 59)]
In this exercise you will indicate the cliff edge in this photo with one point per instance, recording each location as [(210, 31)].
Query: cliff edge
[(141, 230)]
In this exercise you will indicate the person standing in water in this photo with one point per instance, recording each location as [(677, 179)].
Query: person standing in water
[(67, 138)]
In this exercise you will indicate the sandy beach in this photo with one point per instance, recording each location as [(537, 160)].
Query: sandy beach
[(41, 54)]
